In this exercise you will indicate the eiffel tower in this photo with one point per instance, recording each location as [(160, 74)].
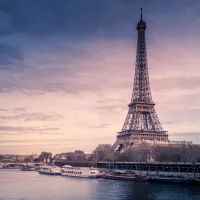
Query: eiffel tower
[(141, 122)]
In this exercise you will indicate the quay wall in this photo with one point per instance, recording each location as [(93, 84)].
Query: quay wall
[(157, 173)]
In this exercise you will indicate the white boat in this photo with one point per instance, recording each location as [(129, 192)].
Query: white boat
[(1, 166), (85, 172), (50, 170)]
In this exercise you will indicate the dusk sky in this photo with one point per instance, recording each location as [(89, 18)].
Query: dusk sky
[(67, 68)]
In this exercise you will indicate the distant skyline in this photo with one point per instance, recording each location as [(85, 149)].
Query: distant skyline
[(67, 67)]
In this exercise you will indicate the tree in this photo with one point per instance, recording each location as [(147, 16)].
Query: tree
[(27, 159), (1, 157), (45, 156), (103, 152), (137, 154), (142, 153), (177, 153)]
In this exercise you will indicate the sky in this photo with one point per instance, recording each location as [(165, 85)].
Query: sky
[(67, 69)]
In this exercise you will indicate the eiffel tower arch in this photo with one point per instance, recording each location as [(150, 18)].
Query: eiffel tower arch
[(141, 123)]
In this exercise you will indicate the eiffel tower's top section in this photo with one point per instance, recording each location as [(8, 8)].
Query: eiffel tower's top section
[(141, 24), (141, 90)]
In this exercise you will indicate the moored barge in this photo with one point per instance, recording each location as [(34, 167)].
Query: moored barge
[(125, 176)]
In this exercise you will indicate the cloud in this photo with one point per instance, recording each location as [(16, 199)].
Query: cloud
[(23, 114), (182, 116), (9, 55), (71, 17), (13, 110), (39, 141), (185, 134), (31, 117), (99, 126), (171, 122), (58, 73), (106, 105), (174, 83), (77, 59), (80, 18), (20, 130), (54, 61)]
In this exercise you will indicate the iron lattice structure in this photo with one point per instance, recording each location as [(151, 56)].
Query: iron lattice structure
[(141, 122)]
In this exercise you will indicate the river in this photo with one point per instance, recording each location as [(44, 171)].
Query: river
[(19, 185)]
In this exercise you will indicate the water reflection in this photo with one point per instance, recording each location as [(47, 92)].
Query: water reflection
[(149, 191), (156, 191)]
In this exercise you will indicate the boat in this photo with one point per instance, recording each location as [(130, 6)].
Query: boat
[(170, 179), (120, 175), (50, 170), (27, 168), (12, 166), (83, 172), (1, 166)]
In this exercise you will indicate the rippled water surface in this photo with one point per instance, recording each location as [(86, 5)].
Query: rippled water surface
[(19, 185)]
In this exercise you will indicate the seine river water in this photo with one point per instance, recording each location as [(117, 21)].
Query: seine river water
[(18, 185)]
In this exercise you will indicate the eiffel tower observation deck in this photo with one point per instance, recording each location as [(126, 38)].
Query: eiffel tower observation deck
[(141, 122)]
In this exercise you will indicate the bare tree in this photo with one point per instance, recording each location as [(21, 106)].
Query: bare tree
[(142, 153), (103, 152), (45, 156), (177, 153)]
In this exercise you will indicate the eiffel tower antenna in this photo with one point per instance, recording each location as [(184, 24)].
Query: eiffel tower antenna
[(141, 14), (141, 122)]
